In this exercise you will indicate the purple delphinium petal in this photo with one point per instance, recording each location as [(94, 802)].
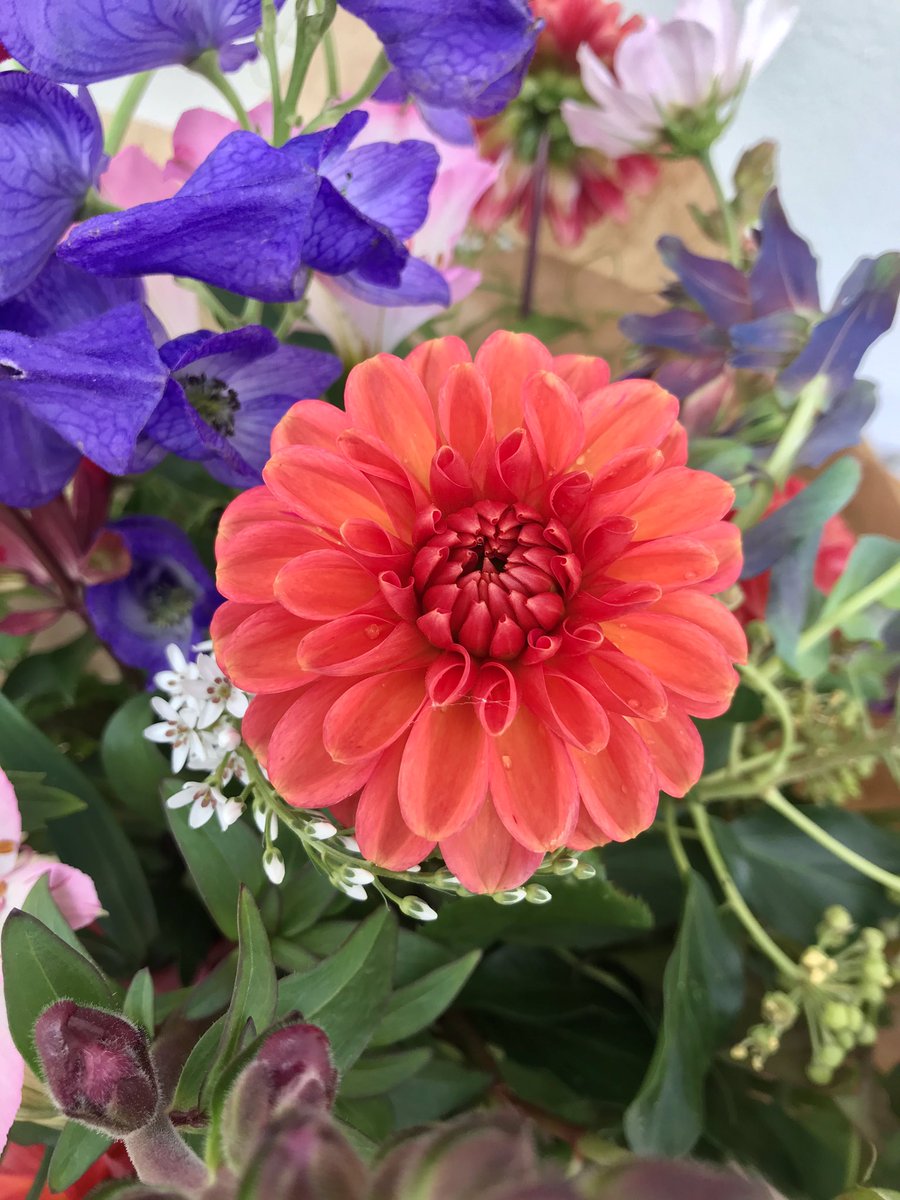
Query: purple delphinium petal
[(459, 54), (864, 310), (419, 283), (63, 295), (84, 41), (51, 153), (720, 289), (168, 596), (453, 125), (680, 329), (841, 426), (768, 342), (35, 463), (389, 183), (785, 274)]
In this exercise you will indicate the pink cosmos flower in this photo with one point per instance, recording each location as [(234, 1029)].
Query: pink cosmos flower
[(478, 606), (358, 329), (675, 74), (76, 898)]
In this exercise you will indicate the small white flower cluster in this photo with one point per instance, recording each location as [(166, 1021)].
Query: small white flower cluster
[(196, 722)]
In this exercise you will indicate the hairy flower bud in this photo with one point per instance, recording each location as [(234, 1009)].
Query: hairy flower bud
[(292, 1072), (651, 1179), (97, 1066), (305, 1154)]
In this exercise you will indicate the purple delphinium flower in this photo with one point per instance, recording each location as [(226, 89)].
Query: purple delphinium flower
[(51, 154), (84, 41), (226, 393), (466, 57), (257, 219), (167, 598), (79, 375)]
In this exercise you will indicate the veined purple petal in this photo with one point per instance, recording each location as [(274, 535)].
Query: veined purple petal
[(63, 295), (451, 124), (35, 463), (50, 155), (720, 289), (680, 329), (460, 54), (419, 283), (168, 596), (224, 352), (342, 239), (84, 41), (785, 274), (389, 183), (769, 342)]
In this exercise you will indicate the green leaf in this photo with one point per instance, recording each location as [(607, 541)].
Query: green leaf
[(197, 1071), (414, 1007), (40, 903), (134, 767), (346, 993), (439, 1089), (871, 1194), (871, 558), (138, 1003), (789, 880), (46, 969), (54, 673), (582, 913), (91, 839), (255, 991), (39, 803), (219, 861), (77, 1149), (703, 989), (723, 457), (376, 1074)]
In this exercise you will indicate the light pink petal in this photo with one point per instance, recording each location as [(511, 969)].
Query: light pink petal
[(533, 783), (12, 1072), (372, 714), (132, 177), (485, 857), (444, 772), (380, 830), (10, 825)]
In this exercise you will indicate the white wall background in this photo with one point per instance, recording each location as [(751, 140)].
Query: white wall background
[(831, 98)]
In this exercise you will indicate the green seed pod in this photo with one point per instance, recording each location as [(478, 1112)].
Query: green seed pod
[(819, 1074)]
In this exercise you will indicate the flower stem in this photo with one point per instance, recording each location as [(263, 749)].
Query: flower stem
[(538, 195), (331, 66), (122, 117), (270, 52), (37, 1187), (860, 600), (310, 28), (887, 879), (810, 403), (782, 711), (207, 65), (736, 901), (160, 1157), (673, 837), (330, 115), (731, 230)]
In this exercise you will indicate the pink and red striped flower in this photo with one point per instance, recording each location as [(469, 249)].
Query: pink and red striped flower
[(477, 608)]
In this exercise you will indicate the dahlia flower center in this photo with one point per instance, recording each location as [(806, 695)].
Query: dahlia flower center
[(213, 400), (489, 575)]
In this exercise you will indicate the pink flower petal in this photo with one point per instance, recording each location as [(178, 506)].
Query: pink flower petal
[(444, 772), (485, 857), (381, 832), (372, 714), (533, 783)]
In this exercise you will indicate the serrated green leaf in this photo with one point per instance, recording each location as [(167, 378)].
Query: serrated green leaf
[(134, 767), (90, 839), (47, 969), (138, 1003), (219, 861), (703, 991), (77, 1149), (414, 1007)]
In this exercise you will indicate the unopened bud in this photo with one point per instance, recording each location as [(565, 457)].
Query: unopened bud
[(512, 896), (873, 939), (780, 1009), (413, 907), (867, 1035), (97, 1066), (655, 1179), (585, 870), (818, 1073), (305, 1154), (273, 865), (830, 1056), (536, 893), (292, 1071), (838, 919)]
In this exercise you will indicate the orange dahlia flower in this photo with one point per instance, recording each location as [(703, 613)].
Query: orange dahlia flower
[(478, 605)]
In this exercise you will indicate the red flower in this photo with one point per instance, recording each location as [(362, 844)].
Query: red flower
[(479, 602), (835, 548), (569, 24), (4, 53), (20, 1165)]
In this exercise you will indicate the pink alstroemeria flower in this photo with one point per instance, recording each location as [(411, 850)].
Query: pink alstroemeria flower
[(76, 898), (674, 74), (358, 329)]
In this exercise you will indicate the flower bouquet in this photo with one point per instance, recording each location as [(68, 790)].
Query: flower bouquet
[(437, 734)]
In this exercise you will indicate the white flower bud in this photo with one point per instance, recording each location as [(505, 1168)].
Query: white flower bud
[(413, 907), (273, 865)]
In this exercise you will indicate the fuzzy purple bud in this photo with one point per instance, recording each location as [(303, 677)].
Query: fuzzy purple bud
[(97, 1066), (649, 1179), (305, 1154)]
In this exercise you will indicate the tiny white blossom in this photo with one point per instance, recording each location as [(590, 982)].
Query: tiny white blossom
[(176, 729), (214, 692), (353, 890), (273, 865), (176, 681), (357, 875), (350, 843), (321, 830), (205, 801)]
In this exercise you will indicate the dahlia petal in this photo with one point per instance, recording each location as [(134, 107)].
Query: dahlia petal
[(635, 412), (228, 616), (623, 685), (372, 714), (450, 480), (256, 505), (464, 411), (310, 423), (533, 783), (569, 708), (682, 656), (399, 491), (260, 654), (380, 830), (375, 547), (384, 397), (324, 584), (584, 373), (444, 772), (449, 677), (362, 644), (674, 447), (724, 539), (515, 470), (496, 697), (711, 615), (323, 488), (670, 562), (300, 767), (618, 785), (679, 500), (506, 360), (433, 361), (676, 749), (260, 719), (249, 560), (485, 857), (400, 596), (587, 834), (553, 419)]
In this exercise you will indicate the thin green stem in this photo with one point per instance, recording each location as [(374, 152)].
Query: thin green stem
[(207, 65), (673, 837), (329, 116), (40, 1178), (829, 621), (127, 107), (736, 901), (331, 66), (887, 879), (268, 37), (810, 403), (222, 314), (310, 29), (782, 711), (732, 237), (253, 312)]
